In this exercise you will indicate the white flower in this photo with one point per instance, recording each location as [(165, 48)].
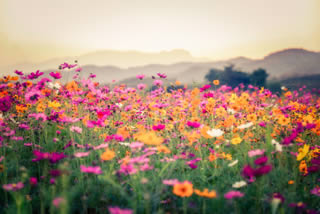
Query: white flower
[(215, 132), (233, 163), (119, 105), (231, 111), (54, 86), (283, 88), (124, 144), (277, 145), (239, 184), (244, 126)]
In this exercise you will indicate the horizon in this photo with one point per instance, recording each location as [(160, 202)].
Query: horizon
[(36, 31)]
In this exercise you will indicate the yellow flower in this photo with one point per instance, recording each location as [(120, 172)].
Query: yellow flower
[(54, 104), (303, 152), (236, 140)]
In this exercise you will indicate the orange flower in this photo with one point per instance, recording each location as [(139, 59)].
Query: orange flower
[(282, 120), (216, 82), (303, 167), (291, 182), (212, 157), (123, 131), (163, 149), (204, 131), (149, 138), (252, 117), (107, 155), (206, 193), (184, 189)]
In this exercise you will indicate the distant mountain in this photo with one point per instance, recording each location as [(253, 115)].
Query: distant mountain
[(122, 59), (280, 65)]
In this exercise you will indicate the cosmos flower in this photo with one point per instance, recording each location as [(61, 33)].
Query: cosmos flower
[(215, 132), (239, 184), (140, 76), (56, 75), (117, 210), (255, 152), (13, 187), (184, 189), (233, 194), (91, 169)]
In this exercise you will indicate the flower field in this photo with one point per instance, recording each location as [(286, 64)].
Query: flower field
[(82, 147)]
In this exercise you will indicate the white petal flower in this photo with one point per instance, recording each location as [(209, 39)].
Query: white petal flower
[(233, 163), (244, 126), (215, 132), (239, 184)]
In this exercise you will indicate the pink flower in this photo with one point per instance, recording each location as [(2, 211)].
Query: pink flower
[(57, 201), (141, 86), (117, 210), (315, 191), (158, 83), (33, 96), (233, 194), (170, 182), (136, 145), (140, 76), (56, 75), (101, 146), (91, 169), (256, 152), (76, 129), (13, 187), (81, 154)]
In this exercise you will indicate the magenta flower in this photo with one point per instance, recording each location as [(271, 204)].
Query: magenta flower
[(13, 187), (261, 160), (5, 103), (158, 127), (33, 76), (162, 75), (262, 170), (316, 191), (248, 173), (117, 210), (33, 96), (33, 181), (204, 88), (140, 76), (56, 75), (20, 73), (193, 124), (91, 169), (233, 194)]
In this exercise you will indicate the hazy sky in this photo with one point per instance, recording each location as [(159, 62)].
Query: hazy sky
[(36, 30)]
